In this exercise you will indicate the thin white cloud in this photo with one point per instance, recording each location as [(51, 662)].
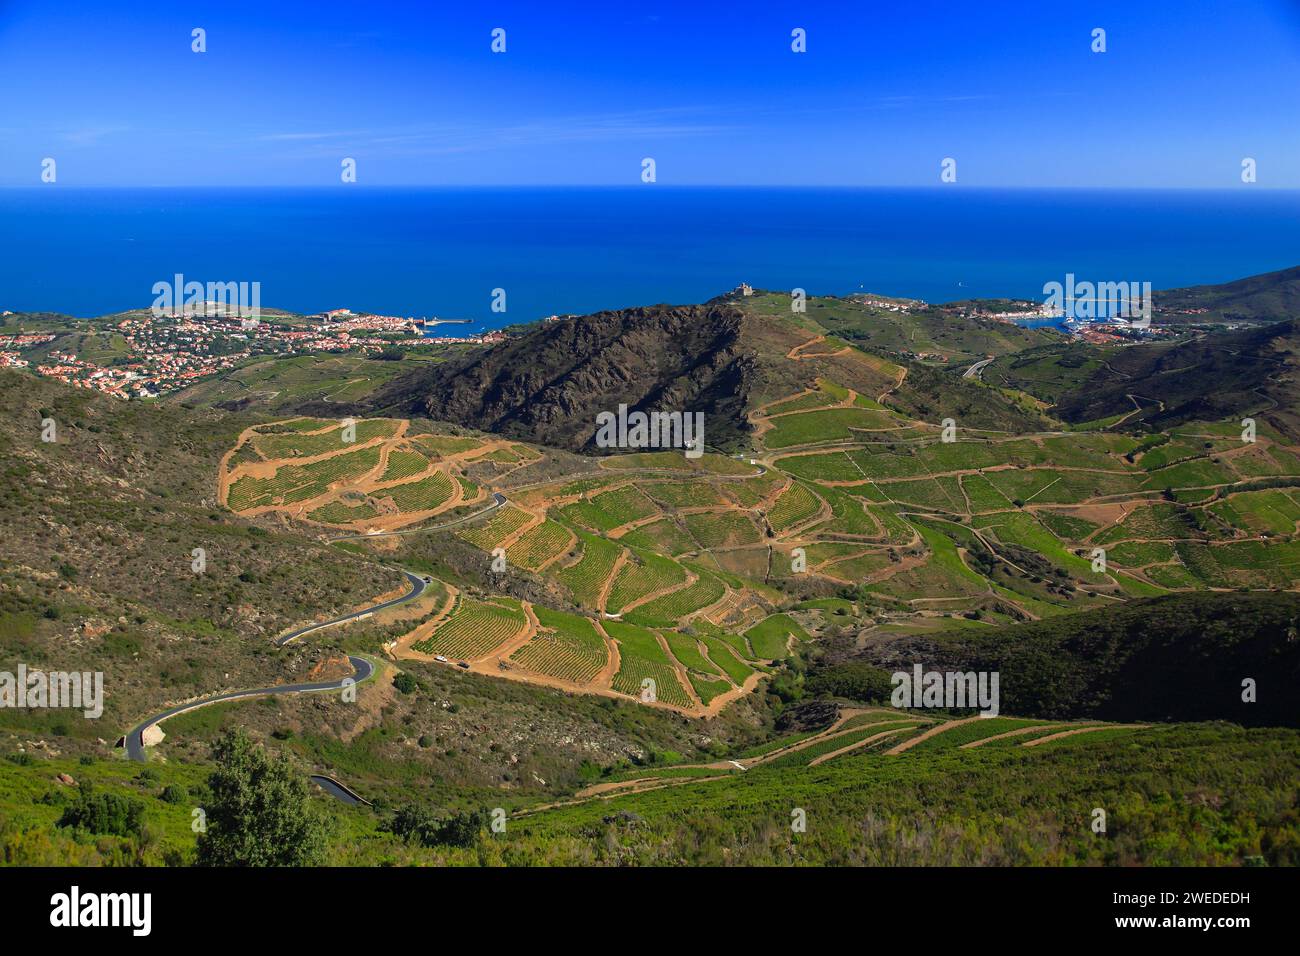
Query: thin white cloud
[(89, 135), (459, 138), (294, 137)]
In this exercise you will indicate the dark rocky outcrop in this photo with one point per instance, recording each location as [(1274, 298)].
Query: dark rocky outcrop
[(548, 385)]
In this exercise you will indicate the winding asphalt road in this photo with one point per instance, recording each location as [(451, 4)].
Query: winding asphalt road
[(418, 584), (135, 739), (362, 668)]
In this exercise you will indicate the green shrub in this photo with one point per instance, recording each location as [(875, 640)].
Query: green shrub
[(174, 793), (103, 813), (424, 826), (405, 683), (855, 680)]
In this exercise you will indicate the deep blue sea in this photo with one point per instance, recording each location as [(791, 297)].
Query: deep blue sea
[(442, 252)]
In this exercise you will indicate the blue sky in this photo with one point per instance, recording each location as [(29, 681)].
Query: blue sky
[(712, 92)]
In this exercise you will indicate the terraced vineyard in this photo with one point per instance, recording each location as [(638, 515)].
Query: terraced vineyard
[(341, 513), (290, 484), (498, 529), (427, 494), (381, 480), (586, 578), (879, 733), (874, 735), (722, 529), (686, 649), (667, 610), (677, 658), (642, 659), (973, 732), (845, 492), (708, 689), (474, 630), (317, 437), (567, 647), (771, 638), (727, 660), (644, 574), (404, 464), (795, 506), (540, 545)]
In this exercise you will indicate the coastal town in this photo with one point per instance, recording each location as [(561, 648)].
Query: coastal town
[(143, 355), (147, 353)]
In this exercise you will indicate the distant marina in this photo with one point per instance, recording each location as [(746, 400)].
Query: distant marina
[(429, 327), (413, 325)]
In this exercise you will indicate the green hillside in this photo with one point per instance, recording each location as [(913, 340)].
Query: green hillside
[(1175, 658), (679, 653), (1271, 297)]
